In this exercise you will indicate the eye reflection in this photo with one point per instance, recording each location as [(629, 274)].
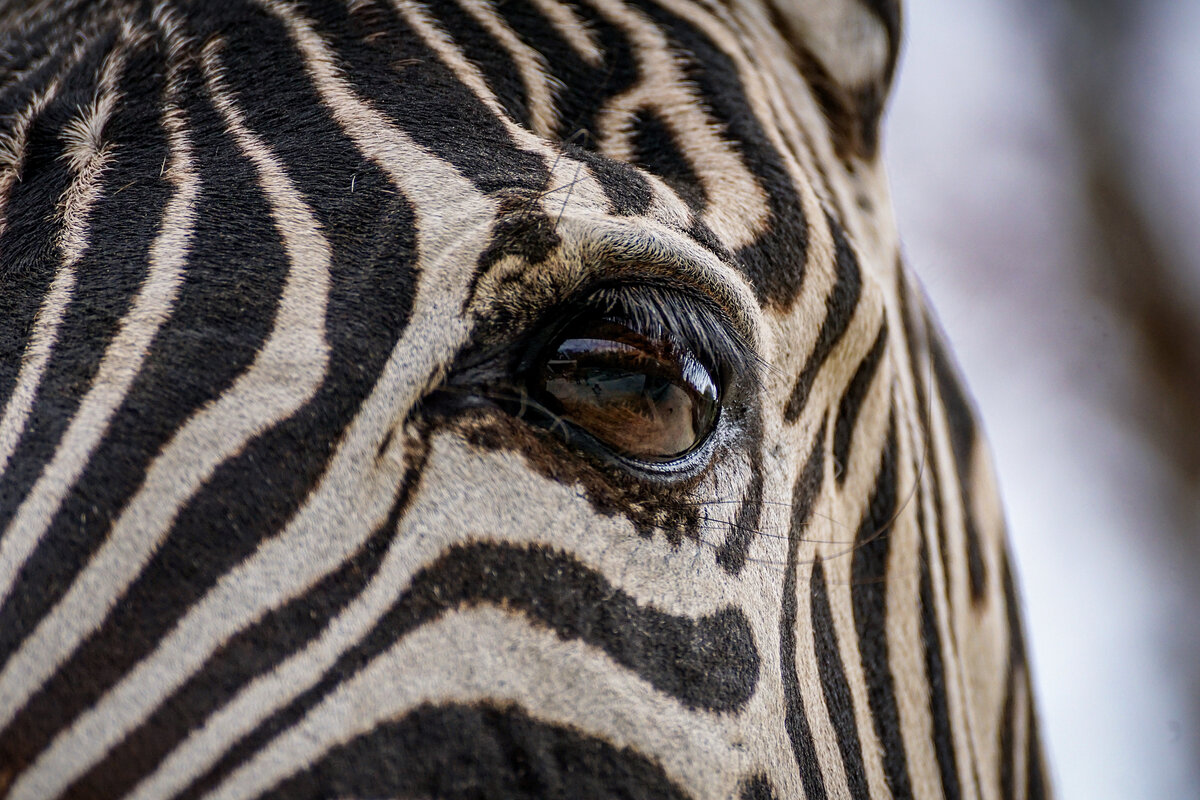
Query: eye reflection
[(645, 396)]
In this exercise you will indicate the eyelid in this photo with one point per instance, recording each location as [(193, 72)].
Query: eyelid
[(642, 251), (694, 322)]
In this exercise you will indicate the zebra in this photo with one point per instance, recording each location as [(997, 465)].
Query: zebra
[(482, 399)]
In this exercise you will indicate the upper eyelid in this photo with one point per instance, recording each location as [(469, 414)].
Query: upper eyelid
[(678, 306), (595, 251), (629, 255), (693, 320)]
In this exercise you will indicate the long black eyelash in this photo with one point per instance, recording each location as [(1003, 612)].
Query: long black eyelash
[(697, 323)]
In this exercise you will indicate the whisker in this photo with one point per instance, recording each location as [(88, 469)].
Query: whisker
[(570, 189)]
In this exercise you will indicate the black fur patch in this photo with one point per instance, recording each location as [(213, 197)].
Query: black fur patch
[(481, 752), (757, 788)]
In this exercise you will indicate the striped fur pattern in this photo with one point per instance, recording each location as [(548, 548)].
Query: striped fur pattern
[(270, 525)]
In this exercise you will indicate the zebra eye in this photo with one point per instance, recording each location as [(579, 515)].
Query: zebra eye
[(645, 395)]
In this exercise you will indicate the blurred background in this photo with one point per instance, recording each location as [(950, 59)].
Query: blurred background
[(1045, 161)]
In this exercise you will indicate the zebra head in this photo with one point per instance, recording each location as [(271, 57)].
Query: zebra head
[(481, 398)]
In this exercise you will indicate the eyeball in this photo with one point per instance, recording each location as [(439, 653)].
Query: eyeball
[(643, 394)]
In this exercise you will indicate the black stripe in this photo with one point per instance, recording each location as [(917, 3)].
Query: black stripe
[(1018, 670), (626, 189), (914, 343), (657, 151), (497, 67), (935, 675), (775, 263), (464, 752), (933, 478), (1036, 788), (804, 494), (852, 400), (29, 260), (1012, 612), (838, 699), (711, 663), (869, 568), (840, 306), (108, 276), (963, 439)]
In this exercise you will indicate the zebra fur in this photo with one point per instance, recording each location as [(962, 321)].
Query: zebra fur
[(274, 521)]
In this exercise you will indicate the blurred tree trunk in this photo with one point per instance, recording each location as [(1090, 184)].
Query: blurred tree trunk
[(1135, 270), (1134, 265)]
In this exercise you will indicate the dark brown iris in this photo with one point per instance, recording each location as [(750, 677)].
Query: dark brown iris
[(644, 395)]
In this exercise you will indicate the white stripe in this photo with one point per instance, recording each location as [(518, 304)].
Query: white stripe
[(285, 374)]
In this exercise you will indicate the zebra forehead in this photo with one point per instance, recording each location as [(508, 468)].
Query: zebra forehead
[(666, 113)]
